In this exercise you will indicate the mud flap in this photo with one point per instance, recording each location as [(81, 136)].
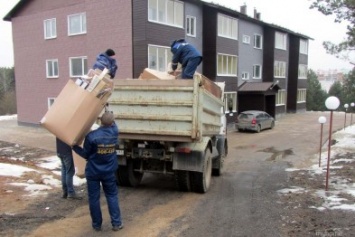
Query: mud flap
[(193, 161), (189, 161)]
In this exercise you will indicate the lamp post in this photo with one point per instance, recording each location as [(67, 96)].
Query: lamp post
[(346, 106), (352, 104), (321, 120), (332, 103)]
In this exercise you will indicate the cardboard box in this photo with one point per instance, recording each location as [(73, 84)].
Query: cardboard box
[(154, 74), (73, 113), (80, 164)]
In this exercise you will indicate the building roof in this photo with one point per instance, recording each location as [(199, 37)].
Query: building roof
[(240, 15), (14, 10), (254, 20), (258, 86)]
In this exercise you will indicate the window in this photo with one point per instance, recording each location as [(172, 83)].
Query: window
[(301, 95), (77, 24), (226, 65), (258, 44), (302, 71), (279, 69), (281, 97), (227, 27), (166, 12), (230, 101), (50, 28), (280, 40), (52, 68), (246, 39), (78, 66), (303, 46), (159, 57), (50, 101), (191, 26), (245, 75), (256, 71)]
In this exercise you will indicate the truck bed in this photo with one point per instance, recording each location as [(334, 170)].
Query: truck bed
[(166, 110)]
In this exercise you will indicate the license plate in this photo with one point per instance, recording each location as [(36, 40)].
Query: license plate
[(120, 152)]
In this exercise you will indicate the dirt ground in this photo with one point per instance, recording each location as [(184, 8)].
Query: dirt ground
[(22, 215)]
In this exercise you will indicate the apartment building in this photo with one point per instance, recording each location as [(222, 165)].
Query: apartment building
[(263, 65)]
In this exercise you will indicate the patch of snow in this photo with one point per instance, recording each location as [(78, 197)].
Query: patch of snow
[(14, 170)]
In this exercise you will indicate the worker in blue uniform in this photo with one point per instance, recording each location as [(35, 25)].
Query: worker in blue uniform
[(187, 55), (100, 153)]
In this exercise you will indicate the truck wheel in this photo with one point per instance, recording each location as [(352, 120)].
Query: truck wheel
[(200, 182), (126, 176), (182, 180), (222, 148)]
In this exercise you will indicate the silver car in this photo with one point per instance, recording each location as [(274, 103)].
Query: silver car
[(254, 120)]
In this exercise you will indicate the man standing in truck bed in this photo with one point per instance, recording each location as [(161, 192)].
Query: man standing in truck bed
[(187, 55)]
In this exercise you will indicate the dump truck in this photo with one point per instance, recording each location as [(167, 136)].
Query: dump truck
[(170, 127)]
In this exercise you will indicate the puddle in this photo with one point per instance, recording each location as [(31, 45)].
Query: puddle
[(277, 155)]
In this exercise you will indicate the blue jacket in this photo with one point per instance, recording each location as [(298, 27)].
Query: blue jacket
[(104, 61), (182, 52), (99, 151)]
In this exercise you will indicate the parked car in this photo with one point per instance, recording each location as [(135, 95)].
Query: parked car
[(254, 120)]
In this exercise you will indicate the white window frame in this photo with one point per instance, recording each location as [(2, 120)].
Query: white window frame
[(303, 46), (50, 101), (50, 28), (281, 97), (230, 97), (301, 95), (226, 64), (84, 67), (245, 76), (256, 37), (227, 27), (302, 71), (82, 22), (246, 39), (50, 67), (280, 69), (191, 26), (159, 11), (153, 50), (255, 66), (280, 40)]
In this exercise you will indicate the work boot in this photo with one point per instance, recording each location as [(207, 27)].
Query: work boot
[(97, 229), (117, 227), (74, 196), (64, 195)]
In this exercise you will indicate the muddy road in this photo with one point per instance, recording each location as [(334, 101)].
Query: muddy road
[(242, 202)]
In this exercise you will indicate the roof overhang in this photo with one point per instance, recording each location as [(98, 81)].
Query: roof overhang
[(265, 88)]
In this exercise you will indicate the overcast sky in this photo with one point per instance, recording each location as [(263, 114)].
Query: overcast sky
[(294, 15)]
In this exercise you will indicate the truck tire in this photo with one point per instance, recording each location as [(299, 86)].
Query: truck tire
[(182, 180), (222, 148), (201, 181), (126, 176)]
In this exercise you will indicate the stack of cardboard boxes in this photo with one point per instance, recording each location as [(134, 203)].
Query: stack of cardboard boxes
[(78, 106)]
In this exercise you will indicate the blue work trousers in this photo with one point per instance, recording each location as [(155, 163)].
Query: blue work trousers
[(110, 188), (68, 171), (189, 70)]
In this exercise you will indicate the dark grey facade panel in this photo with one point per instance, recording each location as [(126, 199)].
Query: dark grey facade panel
[(248, 55)]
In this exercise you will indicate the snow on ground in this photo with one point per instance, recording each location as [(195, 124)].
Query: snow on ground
[(52, 164), (8, 117), (345, 143)]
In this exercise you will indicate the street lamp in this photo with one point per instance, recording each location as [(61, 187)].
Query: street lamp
[(321, 120), (352, 104), (346, 106), (332, 103)]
